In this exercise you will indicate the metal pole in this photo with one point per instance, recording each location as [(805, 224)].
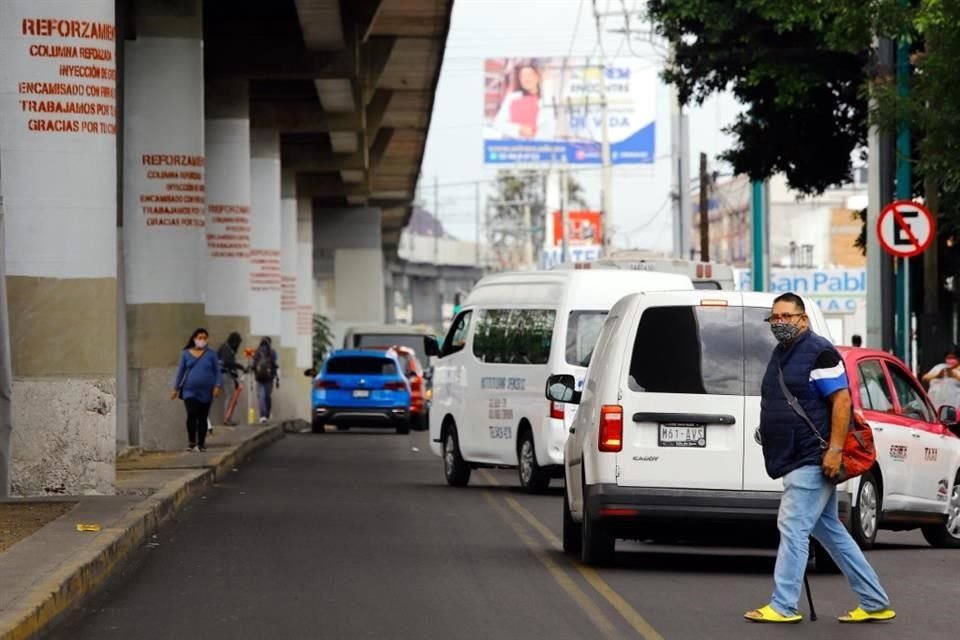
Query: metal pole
[(904, 192), (704, 210), (6, 371), (564, 214), (607, 189), (476, 212), (436, 219), (759, 230), (528, 238)]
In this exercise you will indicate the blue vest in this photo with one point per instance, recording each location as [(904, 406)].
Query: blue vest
[(788, 441)]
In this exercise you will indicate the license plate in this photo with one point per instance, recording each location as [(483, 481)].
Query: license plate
[(361, 393), (683, 435)]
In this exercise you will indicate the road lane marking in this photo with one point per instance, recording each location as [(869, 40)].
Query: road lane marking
[(608, 593), (566, 582)]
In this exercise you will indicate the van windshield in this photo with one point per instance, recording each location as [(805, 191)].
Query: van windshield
[(583, 329), (701, 350)]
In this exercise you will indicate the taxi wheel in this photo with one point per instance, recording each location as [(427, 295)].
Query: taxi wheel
[(456, 470), (865, 516), (533, 478), (947, 535), (572, 540), (597, 542)]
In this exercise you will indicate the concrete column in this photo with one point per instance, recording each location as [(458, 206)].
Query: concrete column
[(304, 303), (58, 184), (227, 288), (164, 214), (287, 348), (354, 237)]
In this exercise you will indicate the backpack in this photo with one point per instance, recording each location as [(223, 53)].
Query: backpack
[(265, 368)]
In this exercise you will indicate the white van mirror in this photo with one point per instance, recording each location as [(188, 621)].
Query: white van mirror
[(562, 388)]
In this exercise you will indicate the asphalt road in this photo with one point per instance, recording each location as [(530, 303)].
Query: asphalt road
[(356, 535)]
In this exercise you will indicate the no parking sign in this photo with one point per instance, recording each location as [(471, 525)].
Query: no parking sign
[(905, 228)]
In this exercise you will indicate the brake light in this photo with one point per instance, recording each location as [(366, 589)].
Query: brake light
[(327, 384), (395, 386), (611, 428), (714, 303), (556, 410)]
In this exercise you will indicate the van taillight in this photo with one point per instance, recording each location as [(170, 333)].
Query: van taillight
[(327, 384), (556, 410), (611, 428)]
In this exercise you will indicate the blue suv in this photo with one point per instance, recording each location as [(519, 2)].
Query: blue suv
[(359, 387)]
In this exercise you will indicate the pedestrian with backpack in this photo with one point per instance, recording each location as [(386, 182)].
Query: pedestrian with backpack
[(805, 418), (197, 383), (266, 372)]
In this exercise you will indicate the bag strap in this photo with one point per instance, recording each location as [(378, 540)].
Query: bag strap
[(186, 373), (795, 405)]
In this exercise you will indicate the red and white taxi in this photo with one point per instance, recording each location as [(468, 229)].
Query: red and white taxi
[(915, 482)]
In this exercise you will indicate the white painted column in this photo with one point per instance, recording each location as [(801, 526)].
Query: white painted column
[(164, 214), (288, 262), (58, 183), (265, 319), (305, 283)]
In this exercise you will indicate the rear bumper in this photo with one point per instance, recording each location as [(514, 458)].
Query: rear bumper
[(365, 416), (662, 506)]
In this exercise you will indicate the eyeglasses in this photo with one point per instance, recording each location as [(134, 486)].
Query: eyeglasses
[(778, 318)]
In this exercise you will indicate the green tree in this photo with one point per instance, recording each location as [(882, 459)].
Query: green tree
[(322, 338)]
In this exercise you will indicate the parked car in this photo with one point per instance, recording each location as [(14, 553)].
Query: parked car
[(419, 403), (514, 330), (662, 444), (916, 481), (361, 388)]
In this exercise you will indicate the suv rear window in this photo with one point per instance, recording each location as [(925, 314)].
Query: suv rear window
[(701, 350), (362, 365)]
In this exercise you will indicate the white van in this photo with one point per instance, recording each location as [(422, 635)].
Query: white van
[(705, 275), (664, 437), (514, 329)]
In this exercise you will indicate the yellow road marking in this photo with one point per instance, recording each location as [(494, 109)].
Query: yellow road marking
[(566, 582), (608, 593)]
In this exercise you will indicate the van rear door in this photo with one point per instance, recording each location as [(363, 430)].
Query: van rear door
[(683, 393)]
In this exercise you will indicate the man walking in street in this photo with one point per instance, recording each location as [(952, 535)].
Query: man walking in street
[(806, 367), (266, 371), (227, 353)]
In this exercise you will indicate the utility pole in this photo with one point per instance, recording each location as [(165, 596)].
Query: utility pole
[(528, 238), (564, 214), (436, 220), (607, 168), (476, 213), (904, 192), (704, 210), (760, 260)]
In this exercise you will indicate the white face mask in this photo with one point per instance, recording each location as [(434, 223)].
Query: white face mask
[(200, 344)]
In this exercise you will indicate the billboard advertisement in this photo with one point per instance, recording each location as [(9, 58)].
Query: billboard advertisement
[(547, 110), (584, 240)]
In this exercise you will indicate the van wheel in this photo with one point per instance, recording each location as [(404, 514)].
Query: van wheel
[(533, 479), (865, 517), (947, 535), (572, 539), (454, 468), (596, 540)]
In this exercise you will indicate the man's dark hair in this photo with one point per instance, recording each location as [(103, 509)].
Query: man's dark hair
[(856, 340), (791, 297)]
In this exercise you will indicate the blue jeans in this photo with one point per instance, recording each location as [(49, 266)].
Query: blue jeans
[(264, 393), (809, 507)]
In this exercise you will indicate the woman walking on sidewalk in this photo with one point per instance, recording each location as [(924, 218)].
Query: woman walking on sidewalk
[(197, 382)]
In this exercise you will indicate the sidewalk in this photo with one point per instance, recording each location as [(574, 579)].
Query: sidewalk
[(53, 569)]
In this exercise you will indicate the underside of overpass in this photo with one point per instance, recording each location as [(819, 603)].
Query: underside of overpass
[(348, 84)]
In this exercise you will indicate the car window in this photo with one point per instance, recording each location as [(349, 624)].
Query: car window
[(514, 336), (457, 336), (362, 365), (690, 350), (387, 340), (875, 392), (912, 404), (583, 329)]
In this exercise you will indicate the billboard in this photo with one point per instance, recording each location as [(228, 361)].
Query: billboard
[(545, 110), (584, 240)]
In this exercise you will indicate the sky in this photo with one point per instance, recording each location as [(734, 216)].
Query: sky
[(482, 29)]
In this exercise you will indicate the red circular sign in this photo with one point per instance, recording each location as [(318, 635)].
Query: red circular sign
[(905, 228)]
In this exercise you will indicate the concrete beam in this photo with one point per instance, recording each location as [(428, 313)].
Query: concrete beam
[(301, 117), (283, 62)]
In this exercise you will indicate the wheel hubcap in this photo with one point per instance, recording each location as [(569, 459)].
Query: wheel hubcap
[(953, 513), (868, 509), (526, 461), (448, 455)]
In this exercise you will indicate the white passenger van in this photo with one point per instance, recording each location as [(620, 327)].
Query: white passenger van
[(513, 330), (664, 439), (705, 275)]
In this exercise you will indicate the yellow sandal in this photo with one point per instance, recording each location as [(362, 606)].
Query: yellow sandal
[(861, 615), (769, 614)]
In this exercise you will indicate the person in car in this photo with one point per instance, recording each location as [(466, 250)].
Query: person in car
[(807, 370), (944, 380)]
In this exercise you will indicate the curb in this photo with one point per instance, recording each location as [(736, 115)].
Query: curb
[(78, 578)]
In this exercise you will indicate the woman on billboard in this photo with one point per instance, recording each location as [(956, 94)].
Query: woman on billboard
[(524, 112)]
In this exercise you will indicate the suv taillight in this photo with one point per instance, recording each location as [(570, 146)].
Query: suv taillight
[(556, 410), (327, 384), (395, 386), (611, 428)]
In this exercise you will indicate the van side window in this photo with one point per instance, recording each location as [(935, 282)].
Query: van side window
[(514, 336), (758, 346), (457, 336), (689, 350), (583, 329)]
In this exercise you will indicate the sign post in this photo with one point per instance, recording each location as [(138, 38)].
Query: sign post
[(905, 229)]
